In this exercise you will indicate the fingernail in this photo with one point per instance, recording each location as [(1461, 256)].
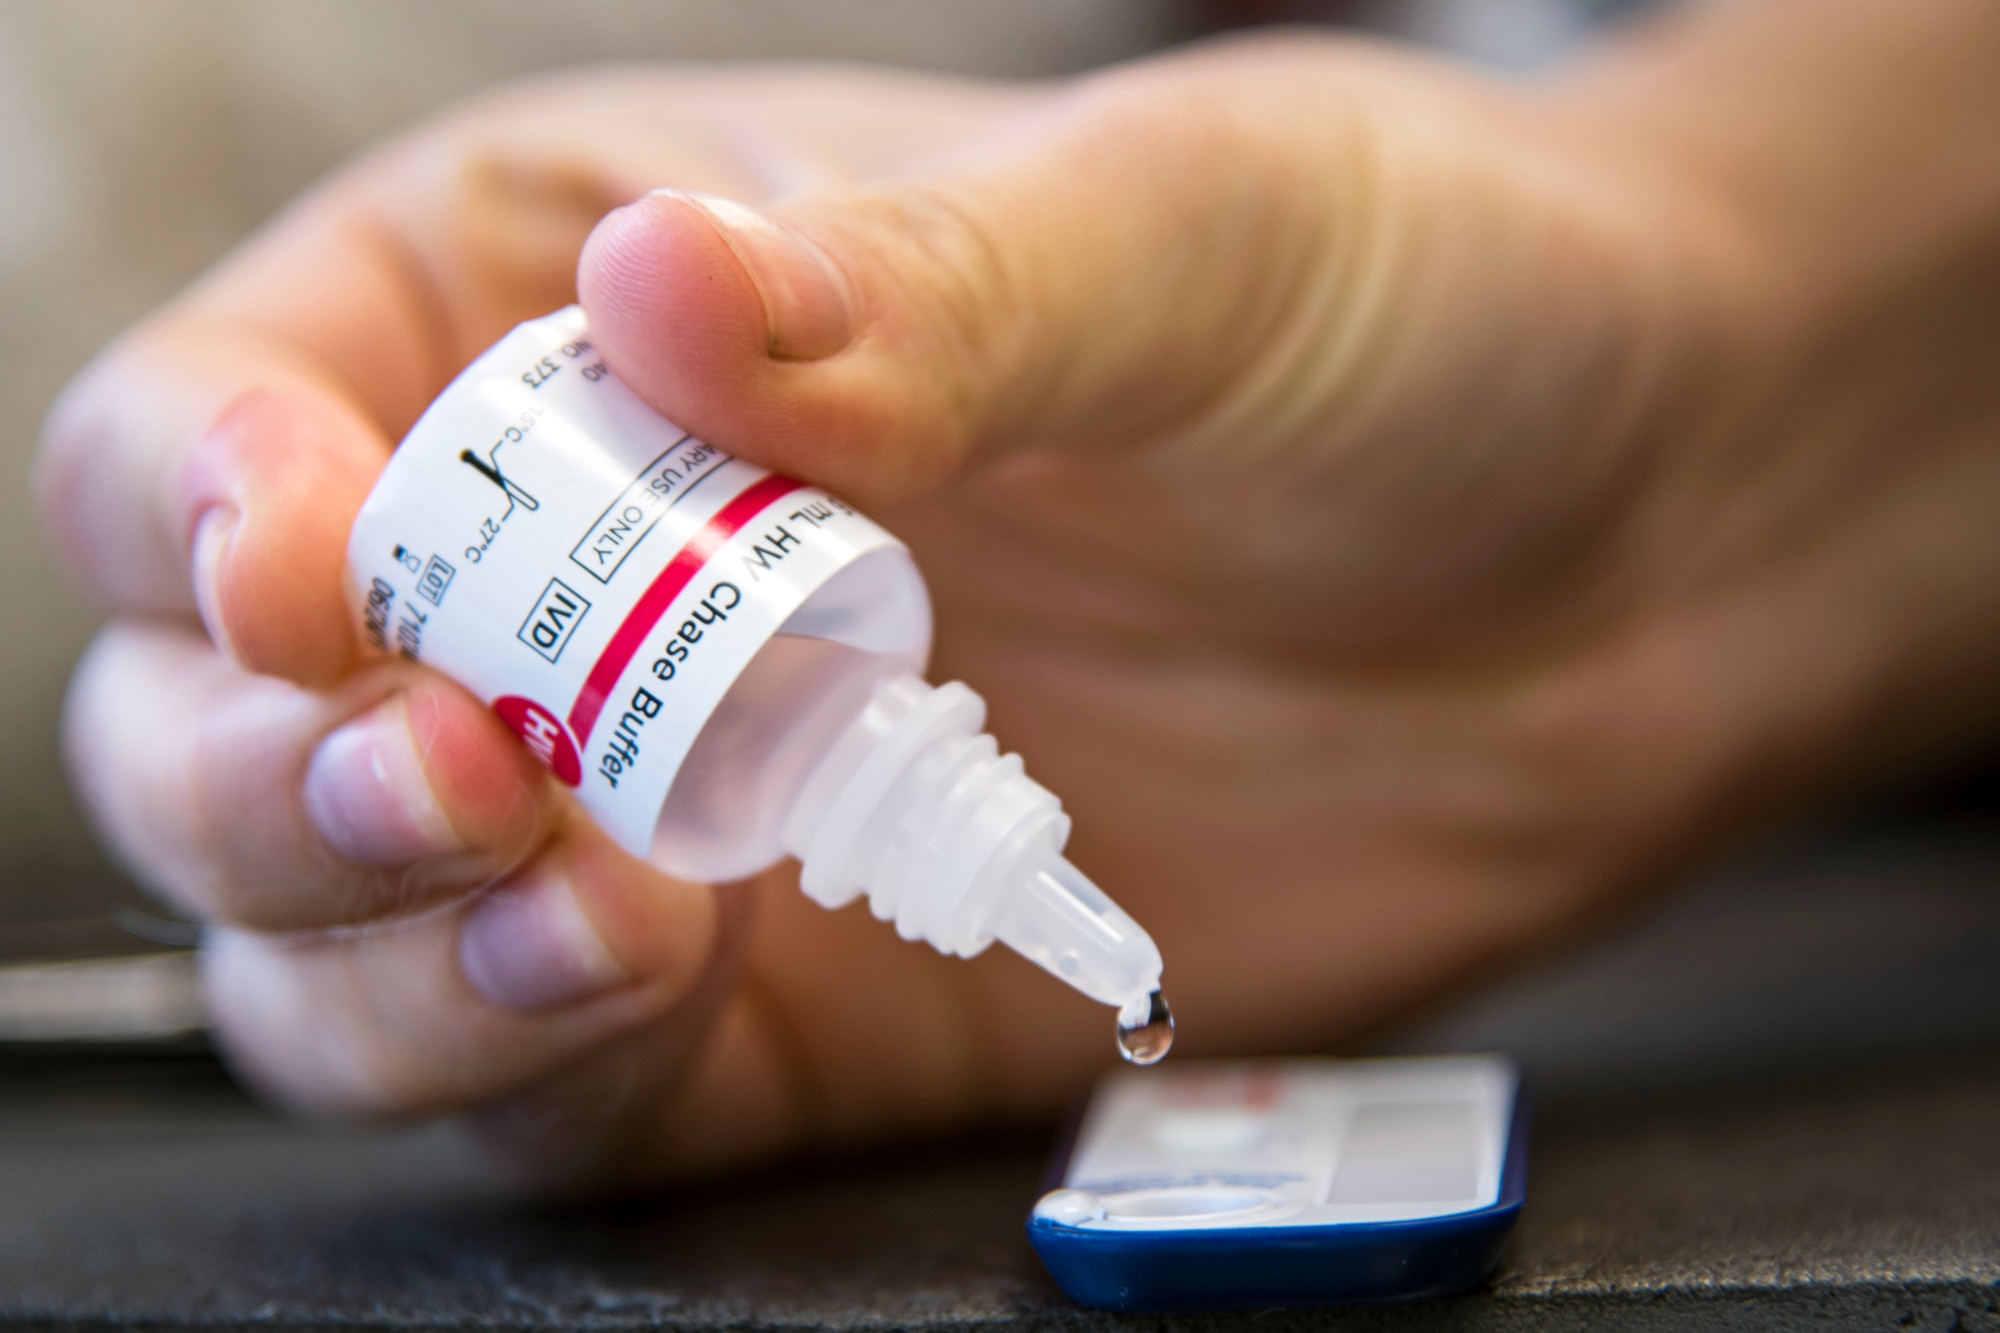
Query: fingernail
[(532, 947), (808, 305), (367, 794), (212, 535)]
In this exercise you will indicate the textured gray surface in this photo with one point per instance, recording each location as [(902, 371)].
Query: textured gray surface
[(1866, 1197), (1704, 1157)]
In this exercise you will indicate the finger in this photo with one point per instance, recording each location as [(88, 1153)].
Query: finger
[(216, 443), (239, 431), (456, 1007), (199, 465), (1134, 262), (248, 799), (710, 1086), (266, 497), (244, 423)]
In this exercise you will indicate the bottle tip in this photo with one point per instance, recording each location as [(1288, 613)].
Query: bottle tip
[(1146, 1029), (1060, 921)]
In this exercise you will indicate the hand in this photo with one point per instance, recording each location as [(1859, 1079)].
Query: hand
[(1397, 513)]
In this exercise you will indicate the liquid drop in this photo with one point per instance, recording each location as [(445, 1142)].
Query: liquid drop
[(1146, 1029)]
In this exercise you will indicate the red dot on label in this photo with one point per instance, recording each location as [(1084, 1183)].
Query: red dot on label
[(542, 733)]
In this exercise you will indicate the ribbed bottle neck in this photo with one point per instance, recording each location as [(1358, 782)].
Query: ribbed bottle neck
[(916, 808)]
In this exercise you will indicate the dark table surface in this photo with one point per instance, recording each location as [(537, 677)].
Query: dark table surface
[(153, 1195), (1775, 1106)]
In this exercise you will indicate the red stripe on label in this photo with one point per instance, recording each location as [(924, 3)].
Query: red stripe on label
[(653, 603)]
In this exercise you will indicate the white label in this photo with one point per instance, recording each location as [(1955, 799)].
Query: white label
[(596, 574), (627, 520)]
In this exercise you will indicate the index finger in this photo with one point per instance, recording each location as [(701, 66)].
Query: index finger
[(332, 331), (243, 425)]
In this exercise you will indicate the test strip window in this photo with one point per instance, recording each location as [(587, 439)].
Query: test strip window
[(1298, 1144)]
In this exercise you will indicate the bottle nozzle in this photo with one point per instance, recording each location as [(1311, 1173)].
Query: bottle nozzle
[(917, 809), (1065, 924)]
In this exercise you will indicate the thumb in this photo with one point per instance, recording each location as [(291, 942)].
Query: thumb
[(1124, 269)]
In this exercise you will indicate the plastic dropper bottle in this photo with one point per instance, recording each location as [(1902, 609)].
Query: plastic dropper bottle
[(725, 665)]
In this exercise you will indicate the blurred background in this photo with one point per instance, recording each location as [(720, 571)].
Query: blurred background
[(139, 141)]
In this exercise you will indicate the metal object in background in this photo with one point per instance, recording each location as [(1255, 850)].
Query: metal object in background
[(154, 997)]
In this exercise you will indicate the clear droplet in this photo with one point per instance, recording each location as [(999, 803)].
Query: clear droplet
[(1146, 1029)]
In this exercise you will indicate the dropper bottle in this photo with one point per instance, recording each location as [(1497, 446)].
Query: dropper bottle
[(723, 664)]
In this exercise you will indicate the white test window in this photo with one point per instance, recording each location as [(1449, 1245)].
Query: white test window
[(1293, 1143)]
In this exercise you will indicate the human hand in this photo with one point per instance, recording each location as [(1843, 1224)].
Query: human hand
[(1386, 507)]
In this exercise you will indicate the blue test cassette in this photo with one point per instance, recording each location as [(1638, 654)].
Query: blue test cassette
[(1296, 1182)]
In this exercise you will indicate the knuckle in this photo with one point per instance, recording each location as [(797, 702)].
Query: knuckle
[(954, 267), (238, 756), (110, 451), (76, 454), (193, 773), (300, 1023), (112, 739)]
